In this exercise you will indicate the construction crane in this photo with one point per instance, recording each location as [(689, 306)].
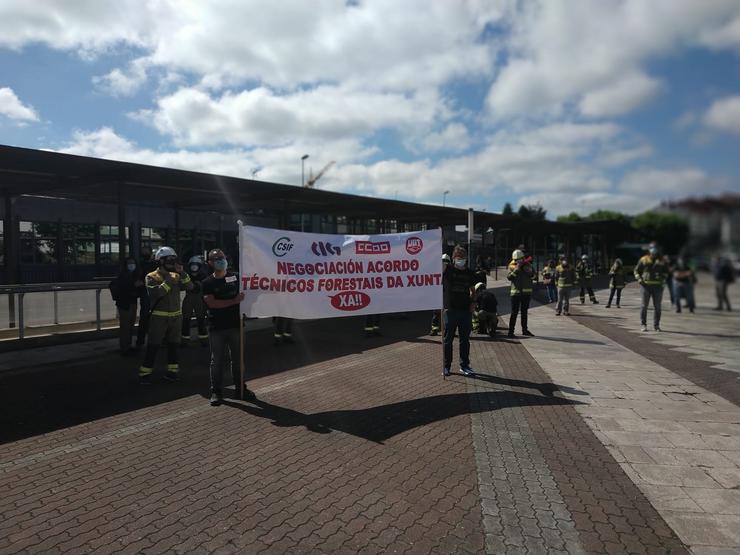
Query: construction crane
[(312, 180)]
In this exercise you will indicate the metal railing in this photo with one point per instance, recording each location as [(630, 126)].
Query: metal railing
[(20, 291)]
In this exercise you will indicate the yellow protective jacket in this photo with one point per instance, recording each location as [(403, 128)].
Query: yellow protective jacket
[(520, 278), (164, 291), (548, 274), (616, 277), (651, 271), (566, 277)]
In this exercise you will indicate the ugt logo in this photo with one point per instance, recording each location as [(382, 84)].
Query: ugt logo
[(325, 249), (414, 245), (282, 246)]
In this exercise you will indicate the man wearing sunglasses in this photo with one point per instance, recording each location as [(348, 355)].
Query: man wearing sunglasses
[(222, 297)]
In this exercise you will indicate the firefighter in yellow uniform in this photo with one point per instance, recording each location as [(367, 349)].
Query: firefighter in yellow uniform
[(650, 273), (585, 274), (565, 276), (193, 303), (164, 286), (520, 275)]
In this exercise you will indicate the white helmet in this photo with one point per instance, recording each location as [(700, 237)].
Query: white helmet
[(479, 285), (446, 258), (517, 255), (584, 257), (164, 252), (197, 259)]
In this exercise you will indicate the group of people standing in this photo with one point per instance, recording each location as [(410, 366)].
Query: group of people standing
[(212, 293)]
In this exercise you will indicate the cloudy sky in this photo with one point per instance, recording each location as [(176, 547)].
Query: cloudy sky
[(576, 104)]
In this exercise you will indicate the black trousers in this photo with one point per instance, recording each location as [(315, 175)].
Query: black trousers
[(611, 296), (519, 302)]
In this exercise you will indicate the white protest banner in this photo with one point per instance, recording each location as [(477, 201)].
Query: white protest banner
[(311, 275)]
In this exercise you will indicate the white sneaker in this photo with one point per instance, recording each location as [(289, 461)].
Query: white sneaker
[(643, 328), (467, 371)]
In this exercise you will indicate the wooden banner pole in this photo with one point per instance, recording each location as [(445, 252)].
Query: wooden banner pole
[(241, 356)]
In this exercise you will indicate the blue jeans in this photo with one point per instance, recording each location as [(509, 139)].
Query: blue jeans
[(683, 289), (552, 293), (461, 320)]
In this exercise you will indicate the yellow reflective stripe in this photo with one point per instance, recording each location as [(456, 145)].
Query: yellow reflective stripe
[(167, 314), (653, 282), (173, 367), (186, 279), (144, 371)]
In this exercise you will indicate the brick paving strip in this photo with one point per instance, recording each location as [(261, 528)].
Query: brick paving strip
[(678, 442), (366, 452)]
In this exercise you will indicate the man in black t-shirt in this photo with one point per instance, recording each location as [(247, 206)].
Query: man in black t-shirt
[(458, 282), (222, 297)]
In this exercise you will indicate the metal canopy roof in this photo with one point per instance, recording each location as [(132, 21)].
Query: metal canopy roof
[(35, 172)]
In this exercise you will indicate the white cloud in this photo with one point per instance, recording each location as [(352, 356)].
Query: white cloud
[(669, 182), (593, 56), (12, 108), (587, 203), (123, 82), (724, 115), (453, 138), (381, 44), (262, 117)]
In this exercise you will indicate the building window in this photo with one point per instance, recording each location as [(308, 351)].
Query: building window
[(342, 225), (38, 242), (152, 238), (79, 244), (109, 252), (327, 224)]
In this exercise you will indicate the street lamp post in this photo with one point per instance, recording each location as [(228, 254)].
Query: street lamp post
[(303, 161), (444, 197)]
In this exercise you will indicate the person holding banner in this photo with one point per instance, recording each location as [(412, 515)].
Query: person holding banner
[(222, 297), (436, 313), (458, 282)]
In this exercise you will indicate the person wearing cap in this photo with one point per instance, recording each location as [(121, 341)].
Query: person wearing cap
[(165, 325), (650, 273), (565, 277), (458, 282), (436, 313), (222, 295), (585, 275), (193, 303), (486, 310), (616, 282), (520, 275)]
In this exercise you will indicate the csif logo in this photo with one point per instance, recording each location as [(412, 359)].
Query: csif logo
[(325, 249), (282, 246), (414, 245)]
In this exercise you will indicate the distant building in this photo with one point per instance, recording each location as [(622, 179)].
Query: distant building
[(714, 222)]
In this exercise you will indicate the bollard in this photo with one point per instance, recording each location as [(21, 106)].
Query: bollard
[(20, 315), (97, 309)]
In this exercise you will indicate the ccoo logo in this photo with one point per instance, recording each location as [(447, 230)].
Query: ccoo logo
[(350, 300), (282, 246), (414, 245)]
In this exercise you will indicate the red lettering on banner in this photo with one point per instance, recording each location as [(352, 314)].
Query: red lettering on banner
[(372, 247), (350, 300)]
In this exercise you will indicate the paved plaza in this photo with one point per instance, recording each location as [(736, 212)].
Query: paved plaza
[(591, 437)]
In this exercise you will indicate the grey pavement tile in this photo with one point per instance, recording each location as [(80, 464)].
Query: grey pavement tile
[(704, 529), (726, 477), (716, 501), (670, 498), (688, 457), (658, 474)]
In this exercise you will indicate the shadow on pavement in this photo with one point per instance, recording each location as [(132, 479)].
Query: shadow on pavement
[(381, 423), (547, 389), (571, 340)]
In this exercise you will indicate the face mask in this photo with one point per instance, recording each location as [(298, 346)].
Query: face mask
[(194, 268), (460, 263), (131, 267), (653, 252), (221, 264)]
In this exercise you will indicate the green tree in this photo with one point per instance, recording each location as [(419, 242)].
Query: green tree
[(508, 210), (570, 218), (669, 230), (532, 212), (601, 215)]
